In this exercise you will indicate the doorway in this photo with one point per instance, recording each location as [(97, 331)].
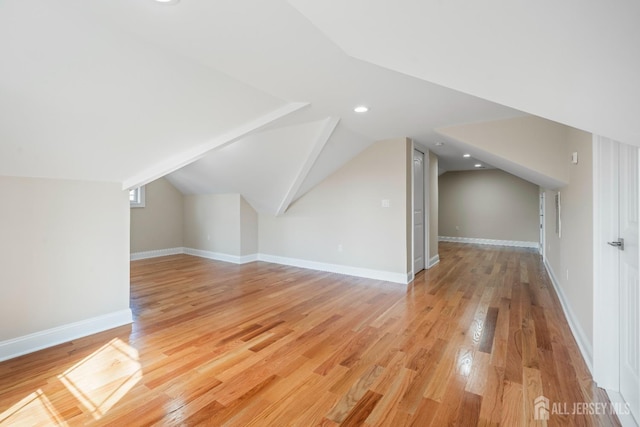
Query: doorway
[(616, 359)]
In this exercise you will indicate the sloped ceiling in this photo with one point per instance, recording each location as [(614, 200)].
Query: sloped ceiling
[(79, 100), (575, 62), (260, 95), (263, 167), (530, 147)]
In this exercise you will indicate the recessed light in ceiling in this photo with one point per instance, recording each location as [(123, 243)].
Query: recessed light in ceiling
[(477, 165), (361, 109), (167, 1), (439, 144), (466, 155)]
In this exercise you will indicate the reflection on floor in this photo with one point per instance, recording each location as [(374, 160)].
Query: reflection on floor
[(479, 339)]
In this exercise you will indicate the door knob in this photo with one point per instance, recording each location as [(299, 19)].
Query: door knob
[(619, 244)]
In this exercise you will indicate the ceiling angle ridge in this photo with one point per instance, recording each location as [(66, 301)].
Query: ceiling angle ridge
[(321, 140), (196, 153)]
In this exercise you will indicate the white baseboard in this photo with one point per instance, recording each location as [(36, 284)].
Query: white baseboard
[(218, 256), (578, 333), (294, 262), (433, 261), (135, 256), (625, 417), (387, 276), (513, 243), (48, 338)]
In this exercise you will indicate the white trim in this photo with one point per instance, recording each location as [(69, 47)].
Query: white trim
[(294, 262), (135, 256), (325, 133), (433, 261), (218, 256), (174, 163), (576, 329), (140, 200), (606, 281), (626, 419), (543, 222), (48, 338), (388, 276), (513, 243), (425, 207)]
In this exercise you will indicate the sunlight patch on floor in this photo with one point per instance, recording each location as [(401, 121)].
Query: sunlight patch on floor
[(34, 409), (100, 380)]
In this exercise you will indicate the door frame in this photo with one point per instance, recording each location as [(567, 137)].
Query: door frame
[(426, 205), (606, 280), (542, 213)]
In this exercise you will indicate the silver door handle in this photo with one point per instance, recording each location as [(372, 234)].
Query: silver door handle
[(619, 244)]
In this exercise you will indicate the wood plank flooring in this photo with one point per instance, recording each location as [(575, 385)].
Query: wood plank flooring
[(473, 341)]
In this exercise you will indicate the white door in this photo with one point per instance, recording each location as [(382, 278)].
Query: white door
[(542, 224), (629, 233), (418, 211)]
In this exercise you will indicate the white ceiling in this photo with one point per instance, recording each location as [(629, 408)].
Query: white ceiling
[(235, 168), (80, 99), (129, 90), (575, 62)]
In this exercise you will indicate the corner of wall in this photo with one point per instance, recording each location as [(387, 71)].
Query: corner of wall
[(248, 229)]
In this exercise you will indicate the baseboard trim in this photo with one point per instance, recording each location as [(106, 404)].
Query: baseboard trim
[(625, 417), (512, 243), (293, 262), (578, 333), (218, 256), (387, 276), (50, 337), (135, 256), (433, 261)]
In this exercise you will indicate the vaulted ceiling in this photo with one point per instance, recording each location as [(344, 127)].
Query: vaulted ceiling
[(257, 97)]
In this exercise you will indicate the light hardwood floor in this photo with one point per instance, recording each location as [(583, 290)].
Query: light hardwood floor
[(472, 341)]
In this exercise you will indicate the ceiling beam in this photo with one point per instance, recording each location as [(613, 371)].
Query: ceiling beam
[(184, 158), (325, 133)]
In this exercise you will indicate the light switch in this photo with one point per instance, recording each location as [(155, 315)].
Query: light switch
[(574, 157), (386, 203)]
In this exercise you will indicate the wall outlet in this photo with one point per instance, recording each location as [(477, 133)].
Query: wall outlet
[(457, 227), (208, 237), (567, 274), (340, 248), (385, 203)]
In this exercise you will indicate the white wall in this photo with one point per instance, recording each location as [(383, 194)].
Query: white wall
[(220, 223), (570, 257), (248, 229), (341, 221), (488, 204), (212, 223), (159, 224), (64, 247)]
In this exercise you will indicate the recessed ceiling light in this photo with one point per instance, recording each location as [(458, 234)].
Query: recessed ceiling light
[(439, 144), (361, 109), (477, 165), (167, 1), (466, 155)]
